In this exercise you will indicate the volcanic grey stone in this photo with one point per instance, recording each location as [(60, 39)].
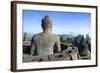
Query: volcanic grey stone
[(30, 58), (85, 57), (73, 53), (58, 57), (44, 42)]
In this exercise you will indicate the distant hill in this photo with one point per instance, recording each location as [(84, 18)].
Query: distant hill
[(66, 35)]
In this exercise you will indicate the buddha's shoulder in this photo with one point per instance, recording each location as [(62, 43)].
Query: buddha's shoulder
[(54, 35), (45, 34), (36, 35)]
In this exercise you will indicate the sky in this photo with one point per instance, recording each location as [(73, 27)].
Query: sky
[(63, 22)]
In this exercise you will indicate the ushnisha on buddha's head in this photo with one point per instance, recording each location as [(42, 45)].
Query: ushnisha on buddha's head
[(46, 24)]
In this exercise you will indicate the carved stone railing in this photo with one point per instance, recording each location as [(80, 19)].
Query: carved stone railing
[(67, 53)]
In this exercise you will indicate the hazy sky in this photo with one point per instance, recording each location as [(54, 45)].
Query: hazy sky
[(63, 22)]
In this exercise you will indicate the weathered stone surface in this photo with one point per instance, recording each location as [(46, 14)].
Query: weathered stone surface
[(65, 45), (58, 57), (72, 52), (85, 57), (30, 58), (44, 42), (46, 23)]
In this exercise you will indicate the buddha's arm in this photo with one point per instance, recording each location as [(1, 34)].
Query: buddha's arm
[(58, 45)]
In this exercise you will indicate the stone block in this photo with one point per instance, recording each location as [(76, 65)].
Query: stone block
[(58, 57), (30, 58)]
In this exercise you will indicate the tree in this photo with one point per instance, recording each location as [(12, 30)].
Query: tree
[(69, 40), (62, 39), (78, 39)]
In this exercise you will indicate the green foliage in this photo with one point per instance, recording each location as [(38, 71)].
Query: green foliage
[(78, 39), (75, 39), (62, 39), (69, 40), (66, 39)]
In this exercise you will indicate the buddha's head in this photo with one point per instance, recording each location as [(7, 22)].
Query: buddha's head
[(46, 23)]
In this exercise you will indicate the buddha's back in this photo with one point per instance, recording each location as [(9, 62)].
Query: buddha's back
[(45, 42)]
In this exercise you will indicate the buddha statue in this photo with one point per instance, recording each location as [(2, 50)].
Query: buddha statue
[(43, 43)]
